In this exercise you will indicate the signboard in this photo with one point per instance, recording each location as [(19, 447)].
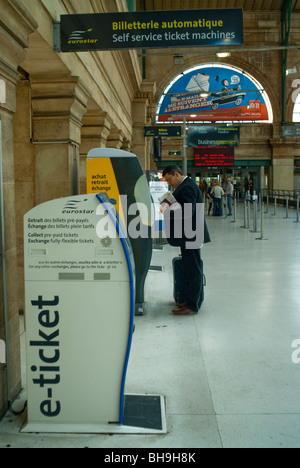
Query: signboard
[(151, 29), (168, 131), (157, 189), (213, 136), (291, 131), (214, 157), (213, 92)]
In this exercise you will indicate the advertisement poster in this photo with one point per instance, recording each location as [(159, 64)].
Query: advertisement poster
[(213, 92)]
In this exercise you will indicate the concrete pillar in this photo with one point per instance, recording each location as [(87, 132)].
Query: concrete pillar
[(96, 127), (24, 173), (140, 112), (140, 143), (115, 138), (283, 163), (58, 107), (17, 25)]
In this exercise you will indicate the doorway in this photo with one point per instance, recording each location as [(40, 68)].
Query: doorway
[(240, 178)]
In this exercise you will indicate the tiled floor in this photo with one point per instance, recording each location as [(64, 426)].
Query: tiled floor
[(227, 374)]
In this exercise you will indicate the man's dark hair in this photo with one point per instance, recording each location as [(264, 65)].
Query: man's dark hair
[(171, 170)]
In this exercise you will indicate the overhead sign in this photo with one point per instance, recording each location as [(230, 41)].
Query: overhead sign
[(168, 131), (213, 136), (152, 29), (214, 157), (214, 92)]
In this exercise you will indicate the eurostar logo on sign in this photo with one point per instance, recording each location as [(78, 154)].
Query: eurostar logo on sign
[(151, 29), (82, 37)]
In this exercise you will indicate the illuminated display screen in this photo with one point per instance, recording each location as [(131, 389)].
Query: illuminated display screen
[(214, 156)]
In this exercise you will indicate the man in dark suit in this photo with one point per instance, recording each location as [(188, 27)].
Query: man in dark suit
[(183, 231)]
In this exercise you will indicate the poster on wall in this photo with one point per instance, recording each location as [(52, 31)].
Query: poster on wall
[(213, 92)]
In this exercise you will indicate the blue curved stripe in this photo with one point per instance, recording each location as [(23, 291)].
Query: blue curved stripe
[(132, 297)]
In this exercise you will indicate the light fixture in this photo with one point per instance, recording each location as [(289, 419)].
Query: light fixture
[(291, 71), (178, 60), (223, 54)]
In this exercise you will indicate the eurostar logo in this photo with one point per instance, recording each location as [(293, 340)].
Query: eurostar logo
[(82, 37)]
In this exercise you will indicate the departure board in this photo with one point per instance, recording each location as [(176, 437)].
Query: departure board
[(207, 156)]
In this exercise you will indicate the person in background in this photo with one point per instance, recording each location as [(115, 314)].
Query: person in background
[(229, 193), (217, 192), (210, 198)]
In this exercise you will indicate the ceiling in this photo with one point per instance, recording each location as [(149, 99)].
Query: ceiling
[(247, 5)]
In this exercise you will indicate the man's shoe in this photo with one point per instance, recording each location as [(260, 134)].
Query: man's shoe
[(184, 311), (180, 306)]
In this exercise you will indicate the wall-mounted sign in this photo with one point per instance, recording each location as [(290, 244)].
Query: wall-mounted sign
[(213, 136), (168, 131), (152, 29), (214, 157), (214, 92), (290, 131)]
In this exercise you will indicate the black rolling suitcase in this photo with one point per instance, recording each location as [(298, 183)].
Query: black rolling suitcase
[(179, 281)]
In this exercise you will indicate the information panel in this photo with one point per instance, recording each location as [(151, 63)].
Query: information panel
[(152, 29), (211, 135), (161, 131), (214, 157)]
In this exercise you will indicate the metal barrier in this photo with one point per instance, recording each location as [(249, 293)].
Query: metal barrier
[(297, 210), (287, 198), (260, 203), (262, 213)]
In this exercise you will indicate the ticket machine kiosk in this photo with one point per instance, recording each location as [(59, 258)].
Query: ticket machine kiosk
[(120, 175), (79, 285)]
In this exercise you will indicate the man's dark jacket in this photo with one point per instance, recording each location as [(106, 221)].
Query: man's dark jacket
[(187, 193)]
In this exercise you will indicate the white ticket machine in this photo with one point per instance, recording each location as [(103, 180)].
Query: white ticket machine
[(79, 286)]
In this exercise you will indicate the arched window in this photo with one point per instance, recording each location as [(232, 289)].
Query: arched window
[(214, 93), (296, 111)]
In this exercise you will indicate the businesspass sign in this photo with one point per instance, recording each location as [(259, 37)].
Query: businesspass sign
[(211, 135), (154, 29)]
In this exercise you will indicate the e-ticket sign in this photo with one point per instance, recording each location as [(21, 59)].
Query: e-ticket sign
[(153, 29)]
